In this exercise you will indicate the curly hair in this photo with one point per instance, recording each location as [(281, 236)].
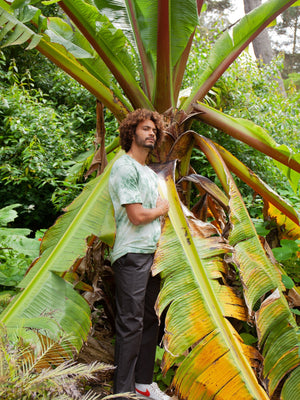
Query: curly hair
[(129, 124)]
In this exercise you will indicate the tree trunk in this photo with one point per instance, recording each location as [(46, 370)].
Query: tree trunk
[(295, 34), (262, 44)]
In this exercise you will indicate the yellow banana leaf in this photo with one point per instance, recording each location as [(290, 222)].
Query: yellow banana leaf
[(190, 261), (260, 279), (288, 228), (277, 328), (279, 339)]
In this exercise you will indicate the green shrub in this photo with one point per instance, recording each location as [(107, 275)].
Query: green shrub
[(47, 129), (292, 82), (37, 142), (17, 251)]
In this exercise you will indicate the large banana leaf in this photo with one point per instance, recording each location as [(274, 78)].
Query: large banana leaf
[(159, 48), (109, 43), (260, 187), (159, 42), (230, 45), (183, 144), (76, 58), (44, 292), (21, 32), (256, 137), (190, 261), (277, 328)]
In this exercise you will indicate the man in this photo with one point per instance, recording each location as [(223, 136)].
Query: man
[(137, 206)]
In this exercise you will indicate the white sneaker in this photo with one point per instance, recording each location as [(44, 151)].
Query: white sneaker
[(153, 392)]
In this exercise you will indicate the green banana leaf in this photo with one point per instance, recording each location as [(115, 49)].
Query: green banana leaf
[(44, 292), (256, 137), (21, 32), (181, 150), (75, 43), (230, 45), (110, 44), (69, 64), (88, 69)]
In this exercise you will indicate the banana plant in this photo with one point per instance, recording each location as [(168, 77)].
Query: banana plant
[(131, 54)]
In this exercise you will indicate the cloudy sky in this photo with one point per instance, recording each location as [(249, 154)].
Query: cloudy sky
[(239, 10)]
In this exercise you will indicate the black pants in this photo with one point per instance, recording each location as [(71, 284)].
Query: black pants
[(136, 321)]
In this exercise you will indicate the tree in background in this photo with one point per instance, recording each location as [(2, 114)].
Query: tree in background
[(288, 37), (284, 38), (133, 54), (262, 44)]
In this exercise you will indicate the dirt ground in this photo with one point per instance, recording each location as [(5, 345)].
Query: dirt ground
[(99, 347)]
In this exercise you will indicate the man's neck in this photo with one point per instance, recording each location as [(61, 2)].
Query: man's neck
[(138, 154)]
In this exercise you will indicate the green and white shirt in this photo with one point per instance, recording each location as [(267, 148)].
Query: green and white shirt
[(129, 183)]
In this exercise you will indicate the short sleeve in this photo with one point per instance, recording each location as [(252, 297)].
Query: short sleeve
[(124, 184)]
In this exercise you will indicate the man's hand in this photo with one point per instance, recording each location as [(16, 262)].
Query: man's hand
[(163, 205)]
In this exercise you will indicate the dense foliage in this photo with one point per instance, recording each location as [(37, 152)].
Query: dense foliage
[(17, 250), (40, 136), (47, 137)]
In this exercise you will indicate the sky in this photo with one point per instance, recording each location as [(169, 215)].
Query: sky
[(239, 10)]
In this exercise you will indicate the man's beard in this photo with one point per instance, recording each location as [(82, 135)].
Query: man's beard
[(143, 142)]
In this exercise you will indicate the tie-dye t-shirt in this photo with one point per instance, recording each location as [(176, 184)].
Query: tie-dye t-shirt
[(130, 182)]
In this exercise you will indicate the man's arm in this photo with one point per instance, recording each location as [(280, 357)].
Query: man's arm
[(138, 215)]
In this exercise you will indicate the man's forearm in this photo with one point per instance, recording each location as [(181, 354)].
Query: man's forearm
[(138, 215)]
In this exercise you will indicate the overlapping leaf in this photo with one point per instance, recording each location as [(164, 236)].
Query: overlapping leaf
[(280, 341), (245, 131), (17, 32), (261, 279), (248, 176), (190, 261), (88, 69), (111, 45)]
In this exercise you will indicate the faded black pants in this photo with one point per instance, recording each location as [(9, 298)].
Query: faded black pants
[(136, 321)]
